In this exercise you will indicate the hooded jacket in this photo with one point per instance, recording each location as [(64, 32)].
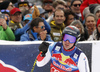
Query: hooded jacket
[(33, 36), (56, 31), (6, 34)]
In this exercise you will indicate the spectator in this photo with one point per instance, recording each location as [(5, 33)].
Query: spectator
[(79, 25), (57, 25), (85, 12), (96, 33), (5, 32), (7, 5), (75, 7), (23, 3), (36, 32), (27, 18), (16, 18), (86, 3), (64, 56), (68, 3), (7, 14), (15, 23), (47, 6), (95, 9), (70, 17), (90, 23), (57, 4), (39, 12)]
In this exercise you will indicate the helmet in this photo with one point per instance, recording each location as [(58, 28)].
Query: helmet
[(71, 30)]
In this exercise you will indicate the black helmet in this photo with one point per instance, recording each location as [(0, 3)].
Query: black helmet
[(71, 30)]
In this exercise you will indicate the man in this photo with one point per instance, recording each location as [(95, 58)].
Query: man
[(47, 6), (15, 23), (36, 32), (64, 56), (57, 25), (75, 7), (23, 3), (16, 17), (57, 4)]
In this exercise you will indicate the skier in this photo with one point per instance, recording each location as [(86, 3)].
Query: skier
[(64, 56)]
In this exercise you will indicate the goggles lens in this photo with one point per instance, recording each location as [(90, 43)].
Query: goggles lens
[(70, 38)]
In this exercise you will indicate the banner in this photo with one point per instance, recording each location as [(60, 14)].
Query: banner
[(20, 56)]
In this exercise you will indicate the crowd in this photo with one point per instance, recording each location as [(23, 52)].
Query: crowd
[(54, 20), (24, 22)]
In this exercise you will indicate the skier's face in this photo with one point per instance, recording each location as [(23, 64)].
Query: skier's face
[(68, 41), (67, 45)]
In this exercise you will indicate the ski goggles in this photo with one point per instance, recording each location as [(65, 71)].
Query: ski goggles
[(70, 38)]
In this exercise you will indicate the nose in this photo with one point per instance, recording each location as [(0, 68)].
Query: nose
[(67, 41)]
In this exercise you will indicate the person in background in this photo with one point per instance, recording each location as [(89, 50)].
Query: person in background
[(7, 5), (70, 17), (15, 23), (68, 4), (36, 32), (57, 25), (47, 6), (5, 32), (23, 3), (96, 33), (95, 9), (39, 12), (27, 18), (57, 4), (90, 24), (16, 17), (7, 14), (85, 12), (75, 7), (79, 25), (64, 55)]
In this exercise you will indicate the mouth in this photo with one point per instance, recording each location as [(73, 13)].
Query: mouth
[(66, 45)]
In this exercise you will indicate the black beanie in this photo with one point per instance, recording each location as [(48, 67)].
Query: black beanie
[(92, 7), (74, 0), (4, 5)]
